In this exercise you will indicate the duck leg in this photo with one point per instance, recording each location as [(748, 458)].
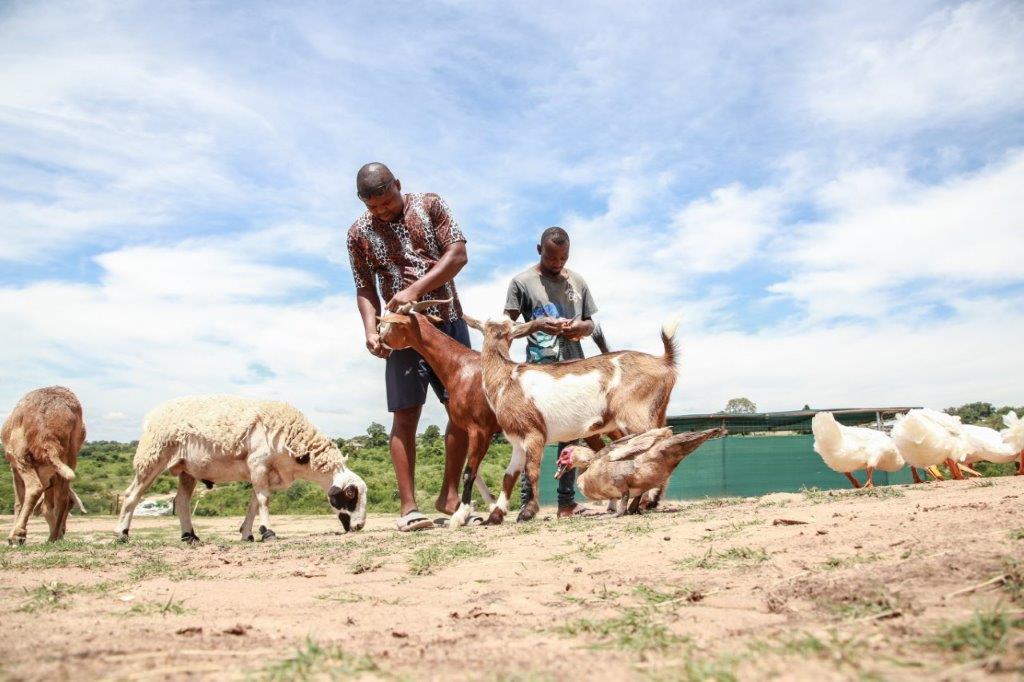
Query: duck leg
[(622, 504), (917, 478), (869, 483), (1020, 469), (854, 481), (954, 469)]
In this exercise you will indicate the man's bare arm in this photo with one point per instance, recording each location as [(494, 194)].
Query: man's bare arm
[(444, 270), (368, 303)]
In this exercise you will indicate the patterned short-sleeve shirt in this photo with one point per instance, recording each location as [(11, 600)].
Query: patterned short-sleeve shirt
[(381, 251)]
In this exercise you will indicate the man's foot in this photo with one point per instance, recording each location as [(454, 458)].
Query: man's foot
[(413, 520)]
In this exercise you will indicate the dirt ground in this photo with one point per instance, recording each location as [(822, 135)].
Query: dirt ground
[(822, 586)]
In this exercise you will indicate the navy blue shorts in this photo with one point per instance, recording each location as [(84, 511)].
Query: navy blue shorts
[(407, 374)]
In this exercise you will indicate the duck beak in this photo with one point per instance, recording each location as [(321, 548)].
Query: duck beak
[(560, 471)]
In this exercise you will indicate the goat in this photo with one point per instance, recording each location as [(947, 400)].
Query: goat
[(41, 440), (222, 438), (625, 391)]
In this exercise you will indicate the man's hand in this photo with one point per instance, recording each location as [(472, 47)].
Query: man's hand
[(375, 347), (576, 329), (410, 294), (551, 325)]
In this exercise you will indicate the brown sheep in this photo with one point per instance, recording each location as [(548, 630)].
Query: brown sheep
[(41, 441)]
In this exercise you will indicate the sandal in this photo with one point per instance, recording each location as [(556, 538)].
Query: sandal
[(414, 520)]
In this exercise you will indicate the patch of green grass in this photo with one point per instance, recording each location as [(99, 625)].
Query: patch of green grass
[(695, 669), (633, 629), (155, 567), (587, 550), (862, 604), (172, 607), (1013, 583), (655, 596), (835, 562), (47, 597), (984, 635), (739, 557), (315, 661), (638, 526), (881, 491), (841, 650), (429, 559), (1017, 534)]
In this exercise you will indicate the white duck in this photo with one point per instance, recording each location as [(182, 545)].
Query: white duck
[(1000, 447), (846, 449), (927, 438)]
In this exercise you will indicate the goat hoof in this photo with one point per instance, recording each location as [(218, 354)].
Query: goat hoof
[(495, 518), (16, 541), (267, 534), (123, 537), (249, 538), (191, 538)]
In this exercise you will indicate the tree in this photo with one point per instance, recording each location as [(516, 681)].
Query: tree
[(378, 435), (740, 406), (431, 434)]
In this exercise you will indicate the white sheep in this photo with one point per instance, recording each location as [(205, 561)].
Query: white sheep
[(222, 438)]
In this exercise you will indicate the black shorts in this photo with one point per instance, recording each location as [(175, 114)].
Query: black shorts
[(407, 374)]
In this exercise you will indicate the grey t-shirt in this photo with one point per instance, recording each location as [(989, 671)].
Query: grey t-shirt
[(536, 295)]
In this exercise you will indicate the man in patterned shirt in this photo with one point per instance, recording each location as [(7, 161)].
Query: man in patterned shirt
[(411, 245)]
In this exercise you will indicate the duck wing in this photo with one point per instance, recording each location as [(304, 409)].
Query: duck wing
[(633, 446)]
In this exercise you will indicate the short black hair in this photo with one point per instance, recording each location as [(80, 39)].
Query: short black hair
[(555, 234), (372, 179)]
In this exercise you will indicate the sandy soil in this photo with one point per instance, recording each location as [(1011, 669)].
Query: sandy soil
[(849, 585)]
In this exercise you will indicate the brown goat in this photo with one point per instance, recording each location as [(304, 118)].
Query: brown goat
[(41, 441), (458, 368), (625, 391)]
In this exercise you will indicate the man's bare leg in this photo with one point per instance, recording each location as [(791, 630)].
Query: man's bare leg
[(403, 455)]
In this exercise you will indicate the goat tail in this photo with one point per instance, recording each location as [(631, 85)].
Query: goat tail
[(51, 453), (668, 334)]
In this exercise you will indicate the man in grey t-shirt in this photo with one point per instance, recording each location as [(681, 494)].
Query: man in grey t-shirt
[(552, 291)]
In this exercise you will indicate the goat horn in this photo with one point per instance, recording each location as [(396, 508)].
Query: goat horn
[(423, 305)]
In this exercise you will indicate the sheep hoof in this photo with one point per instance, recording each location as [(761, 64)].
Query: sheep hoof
[(267, 534), (249, 538), (19, 540), (191, 538), (123, 537)]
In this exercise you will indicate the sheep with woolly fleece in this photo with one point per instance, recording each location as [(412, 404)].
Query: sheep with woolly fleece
[(41, 440), (223, 438)]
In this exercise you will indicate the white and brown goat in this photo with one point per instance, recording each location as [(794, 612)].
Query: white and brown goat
[(625, 391)]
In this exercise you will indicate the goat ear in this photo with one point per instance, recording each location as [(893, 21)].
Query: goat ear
[(473, 322), (394, 318)]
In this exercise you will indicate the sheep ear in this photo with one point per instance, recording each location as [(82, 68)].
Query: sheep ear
[(473, 322)]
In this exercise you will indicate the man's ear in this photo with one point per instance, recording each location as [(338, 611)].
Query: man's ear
[(398, 184), (540, 251)]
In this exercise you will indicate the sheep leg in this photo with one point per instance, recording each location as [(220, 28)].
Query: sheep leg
[(854, 481), (183, 505), (19, 491), (33, 488), (250, 516), (139, 485), (262, 491), (500, 508), (477, 449), (534, 454)]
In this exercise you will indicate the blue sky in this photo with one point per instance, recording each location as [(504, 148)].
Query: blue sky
[(829, 194)]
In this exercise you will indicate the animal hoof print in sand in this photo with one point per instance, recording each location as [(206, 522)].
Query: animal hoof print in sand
[(267, 534)]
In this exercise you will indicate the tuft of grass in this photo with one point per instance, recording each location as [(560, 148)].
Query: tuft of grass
[(882, 491), (638, 526), (1013, 583), (172, 607), (835, 562), (315, 661), (984, 635), (587, 550), (47, 597), (1017, 534), (155, 567), (429, 559), (633, 629), (863, 604), (739, 557)]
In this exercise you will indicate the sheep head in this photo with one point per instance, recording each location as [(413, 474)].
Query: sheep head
[(347, 496)]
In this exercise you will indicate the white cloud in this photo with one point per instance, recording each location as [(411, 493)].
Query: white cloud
[(960, 61)]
